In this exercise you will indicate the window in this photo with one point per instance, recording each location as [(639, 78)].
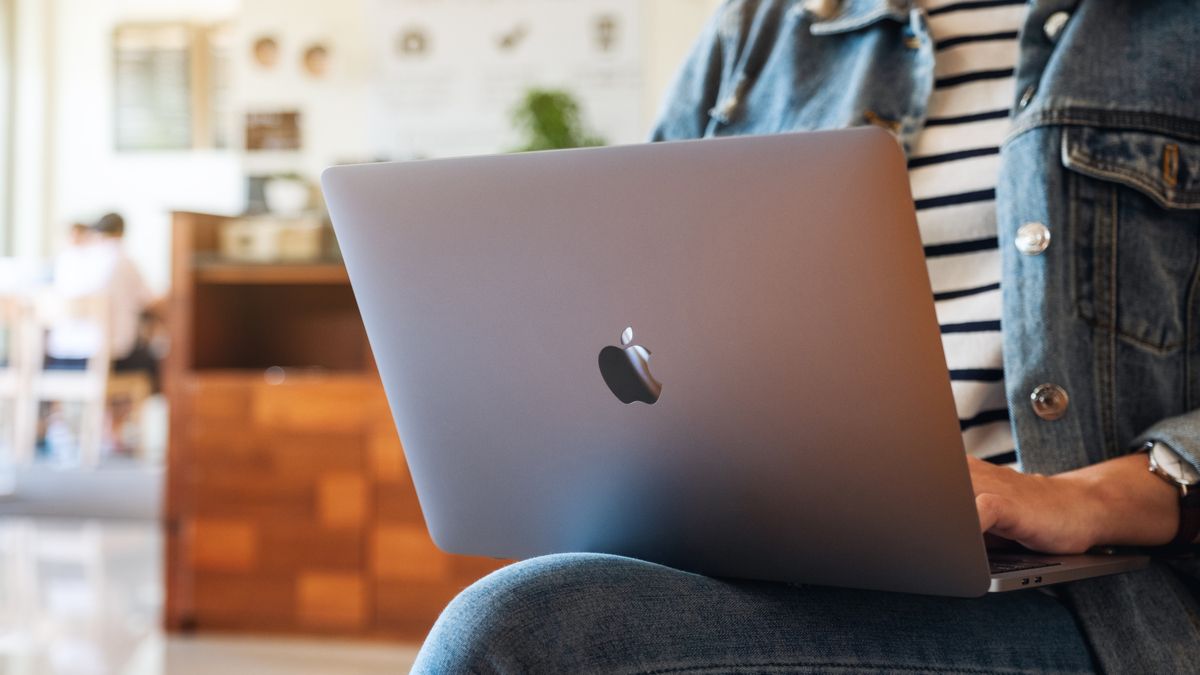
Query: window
[(171, 87)]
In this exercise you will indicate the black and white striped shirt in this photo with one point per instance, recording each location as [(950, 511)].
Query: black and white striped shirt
[(953, 170)]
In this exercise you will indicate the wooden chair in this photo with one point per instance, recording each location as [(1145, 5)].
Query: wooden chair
[(87, 387)]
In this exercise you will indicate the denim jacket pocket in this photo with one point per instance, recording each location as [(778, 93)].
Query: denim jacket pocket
[(1134, 206)]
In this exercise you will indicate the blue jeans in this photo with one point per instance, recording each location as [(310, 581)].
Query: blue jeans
[(588, 613)]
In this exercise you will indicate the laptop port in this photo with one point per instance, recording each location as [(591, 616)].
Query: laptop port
[(1037, 580), (1025, 582)]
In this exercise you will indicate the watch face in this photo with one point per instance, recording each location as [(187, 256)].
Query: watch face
[(1174, 465)]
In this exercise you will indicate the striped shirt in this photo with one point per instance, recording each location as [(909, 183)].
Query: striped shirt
[(953, 169)]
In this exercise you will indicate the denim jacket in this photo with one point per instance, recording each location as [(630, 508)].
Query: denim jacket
[(1104, 150)]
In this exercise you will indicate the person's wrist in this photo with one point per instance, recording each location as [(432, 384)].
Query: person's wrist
[(1122, 503), (1085, 501)]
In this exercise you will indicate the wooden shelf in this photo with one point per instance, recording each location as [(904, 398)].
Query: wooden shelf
[(289, 505), (274, 273)]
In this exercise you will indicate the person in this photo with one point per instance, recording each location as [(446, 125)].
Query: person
[(77, 237), (94, 262), (1054, 155)]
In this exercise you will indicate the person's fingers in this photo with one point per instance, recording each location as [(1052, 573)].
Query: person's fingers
[(996, 513), (986, 506), (983, 477), (977, 466)]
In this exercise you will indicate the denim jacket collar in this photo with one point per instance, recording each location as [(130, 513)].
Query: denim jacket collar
[(852, 15)]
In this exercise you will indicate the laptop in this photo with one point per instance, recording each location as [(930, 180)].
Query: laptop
[(717, 355)]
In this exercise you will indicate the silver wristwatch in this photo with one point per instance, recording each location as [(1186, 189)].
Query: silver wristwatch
[(1179, 473)]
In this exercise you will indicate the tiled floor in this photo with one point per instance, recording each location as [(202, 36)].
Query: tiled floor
[(83, 598), (121, 491)]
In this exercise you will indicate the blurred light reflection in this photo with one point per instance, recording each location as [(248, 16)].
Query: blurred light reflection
[(83, 598), (76, 597)]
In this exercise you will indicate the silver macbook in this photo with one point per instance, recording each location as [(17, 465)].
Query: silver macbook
[(719, 355)]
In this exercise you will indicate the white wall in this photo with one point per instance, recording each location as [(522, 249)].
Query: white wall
[(671, 28), (333, 125), (30, 184), (336, 107), (67, 168), (89, 177), (7, 38)]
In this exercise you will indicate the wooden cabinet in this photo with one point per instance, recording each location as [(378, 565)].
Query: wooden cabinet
[(289, 505)]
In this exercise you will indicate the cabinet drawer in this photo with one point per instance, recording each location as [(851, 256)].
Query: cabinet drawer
[(331, 404)]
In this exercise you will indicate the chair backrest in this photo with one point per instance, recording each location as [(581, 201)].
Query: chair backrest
[(52, 312)]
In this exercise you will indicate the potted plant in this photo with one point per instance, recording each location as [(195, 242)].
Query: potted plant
[(551, 119)]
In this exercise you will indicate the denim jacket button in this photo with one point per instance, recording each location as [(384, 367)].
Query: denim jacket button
[(725, 109), (1049, 401), (821, 9), (1032, 238), (1054, 25)]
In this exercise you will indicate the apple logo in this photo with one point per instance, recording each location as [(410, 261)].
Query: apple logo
[(626, 371)]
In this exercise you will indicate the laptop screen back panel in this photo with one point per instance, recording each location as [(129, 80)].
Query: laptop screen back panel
[(805, 430)]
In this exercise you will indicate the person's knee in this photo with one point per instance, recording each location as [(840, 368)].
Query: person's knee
[(518, 617)]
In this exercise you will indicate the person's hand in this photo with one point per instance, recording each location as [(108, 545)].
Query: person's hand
[(1035, 511), (1117, 502)]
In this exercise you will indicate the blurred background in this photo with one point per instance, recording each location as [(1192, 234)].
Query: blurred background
[(198, 471)]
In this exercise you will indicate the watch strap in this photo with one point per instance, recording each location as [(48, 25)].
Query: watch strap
[(1189, 505), (1189, 519)]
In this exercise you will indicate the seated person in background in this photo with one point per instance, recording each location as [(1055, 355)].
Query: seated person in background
[(79, 236), (96, 264)]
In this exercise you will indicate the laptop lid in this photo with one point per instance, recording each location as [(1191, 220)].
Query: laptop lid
[(769, 294)]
